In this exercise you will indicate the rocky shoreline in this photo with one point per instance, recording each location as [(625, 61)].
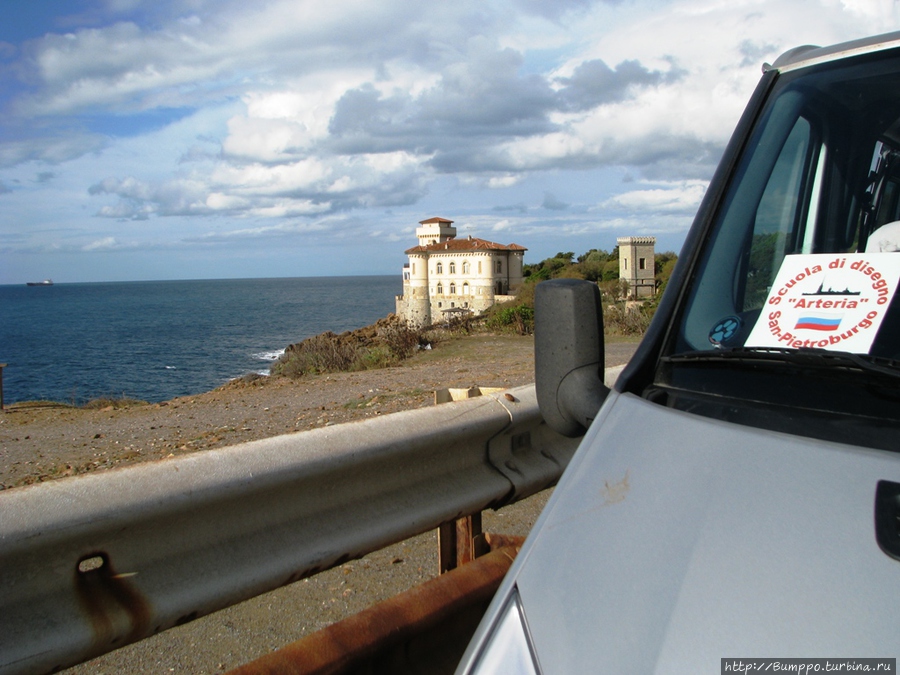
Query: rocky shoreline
[(47, 442)]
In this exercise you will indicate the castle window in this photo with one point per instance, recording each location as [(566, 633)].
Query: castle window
[(479, 267), (465, 268), (452, 288), (439, 269), (499, 266), (452, 268), (466, 288), (642, 263), (440, 289), (414, 268)]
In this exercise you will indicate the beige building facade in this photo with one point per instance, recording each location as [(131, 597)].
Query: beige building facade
[(637, 265), (447, 277)]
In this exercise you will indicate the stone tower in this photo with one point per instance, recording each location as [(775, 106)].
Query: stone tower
[(637, 265)]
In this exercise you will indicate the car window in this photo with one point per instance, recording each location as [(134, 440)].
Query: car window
[(777, 228)]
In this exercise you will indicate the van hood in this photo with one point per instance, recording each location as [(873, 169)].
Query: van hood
[(674, 541)]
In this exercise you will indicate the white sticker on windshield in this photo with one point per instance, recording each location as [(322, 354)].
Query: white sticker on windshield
[(828, 301)]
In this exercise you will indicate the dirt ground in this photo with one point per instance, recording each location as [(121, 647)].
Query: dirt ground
[(39, 443), (45, 442)]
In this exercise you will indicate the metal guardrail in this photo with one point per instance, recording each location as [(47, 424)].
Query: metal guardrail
[(93, 562)]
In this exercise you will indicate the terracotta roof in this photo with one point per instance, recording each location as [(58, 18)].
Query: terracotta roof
[(435, 220), (466, 244)]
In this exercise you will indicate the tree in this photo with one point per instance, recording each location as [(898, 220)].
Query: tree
[(614, 290)]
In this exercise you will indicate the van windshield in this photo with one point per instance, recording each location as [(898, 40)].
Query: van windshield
[(804, 252), (790, 320)]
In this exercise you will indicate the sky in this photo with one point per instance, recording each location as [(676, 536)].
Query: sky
[(203, 139)]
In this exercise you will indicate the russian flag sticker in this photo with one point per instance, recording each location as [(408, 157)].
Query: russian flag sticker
[(818, 322)]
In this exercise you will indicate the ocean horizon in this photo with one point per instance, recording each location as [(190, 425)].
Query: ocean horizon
[(156, 340)]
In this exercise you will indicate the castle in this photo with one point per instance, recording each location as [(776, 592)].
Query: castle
[(447, 277)]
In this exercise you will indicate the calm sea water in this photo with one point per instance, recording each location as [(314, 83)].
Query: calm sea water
[(154, 340)]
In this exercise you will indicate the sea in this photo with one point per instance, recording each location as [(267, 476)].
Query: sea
[(156, 340)]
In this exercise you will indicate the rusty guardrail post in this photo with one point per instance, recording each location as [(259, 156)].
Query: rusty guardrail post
[(460, 541)]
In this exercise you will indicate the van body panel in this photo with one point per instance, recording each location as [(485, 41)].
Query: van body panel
[(704, 540)]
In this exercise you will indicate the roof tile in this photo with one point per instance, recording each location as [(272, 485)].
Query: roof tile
[(466, 244)]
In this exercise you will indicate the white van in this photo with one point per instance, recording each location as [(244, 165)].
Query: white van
[(736, 496)]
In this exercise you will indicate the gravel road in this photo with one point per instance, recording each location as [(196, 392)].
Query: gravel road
[(45, 443)]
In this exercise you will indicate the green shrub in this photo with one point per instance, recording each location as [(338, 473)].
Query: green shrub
[(380, 346), (506, 318), (626, 320), (401, 341)]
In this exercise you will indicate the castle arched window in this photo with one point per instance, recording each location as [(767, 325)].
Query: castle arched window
[(439, 268), (466, 288), (452, 268), (452, 289), (499, 266), (440, 289), (465, 268)]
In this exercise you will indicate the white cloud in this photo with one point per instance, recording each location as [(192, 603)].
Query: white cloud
[(294, 113), (681, 198), (288, 208), (218, 201), (105, 244), (263, 179), (503, 181)]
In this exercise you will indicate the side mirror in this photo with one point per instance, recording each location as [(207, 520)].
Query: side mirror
[(568, 354)]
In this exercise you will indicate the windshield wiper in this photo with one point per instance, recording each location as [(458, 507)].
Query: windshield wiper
[(804, 356)]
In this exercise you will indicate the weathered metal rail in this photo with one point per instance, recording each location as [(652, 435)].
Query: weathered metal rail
[(93, 562), (423, 630)]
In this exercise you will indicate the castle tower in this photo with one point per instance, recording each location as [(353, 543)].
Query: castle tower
[(637, 265), (414, 305), (435, 231)]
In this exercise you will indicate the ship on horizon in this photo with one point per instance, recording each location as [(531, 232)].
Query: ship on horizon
[(45, 282)]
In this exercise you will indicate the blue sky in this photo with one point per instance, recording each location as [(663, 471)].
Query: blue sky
[(181, 139)]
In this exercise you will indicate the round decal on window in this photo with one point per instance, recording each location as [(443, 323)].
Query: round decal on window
[(724, 330)]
